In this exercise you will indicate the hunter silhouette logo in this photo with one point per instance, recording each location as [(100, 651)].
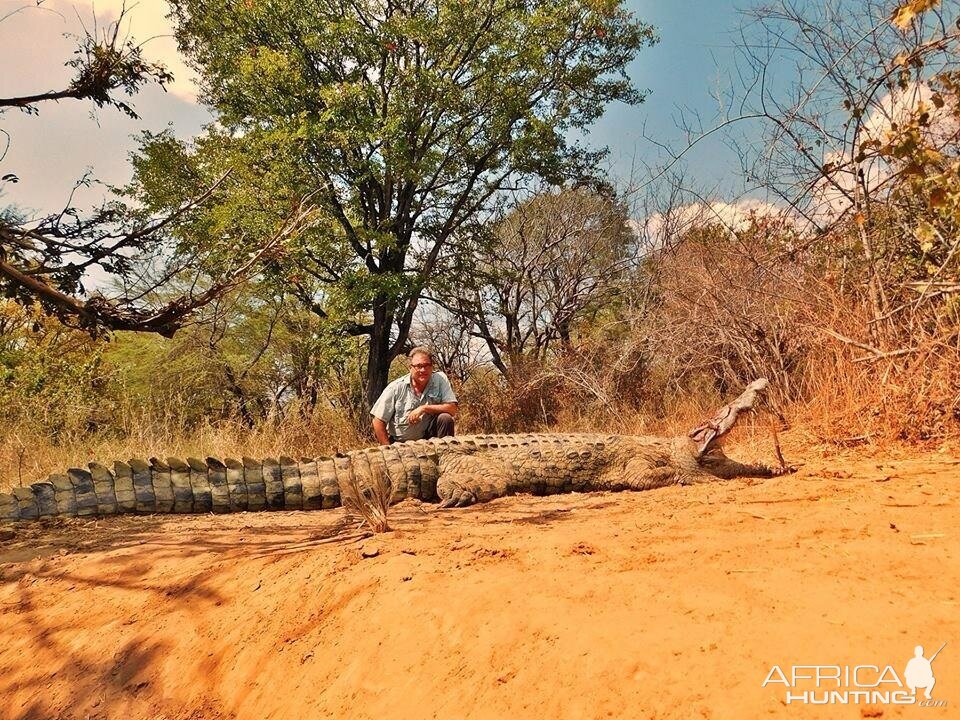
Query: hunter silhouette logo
[(855, 684), (919, 672)]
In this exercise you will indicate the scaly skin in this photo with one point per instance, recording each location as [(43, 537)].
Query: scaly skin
[(456, 471), (549, 464)]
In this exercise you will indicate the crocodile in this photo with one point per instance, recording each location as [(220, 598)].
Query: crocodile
[(454, 471)]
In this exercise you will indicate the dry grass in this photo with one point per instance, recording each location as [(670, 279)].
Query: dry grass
[(367, 499)]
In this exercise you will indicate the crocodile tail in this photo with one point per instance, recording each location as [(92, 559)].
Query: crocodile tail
[(410, 468), (175, 485), (78, 492)]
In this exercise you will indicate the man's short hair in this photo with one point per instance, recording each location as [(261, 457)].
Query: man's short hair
[(421, 350)]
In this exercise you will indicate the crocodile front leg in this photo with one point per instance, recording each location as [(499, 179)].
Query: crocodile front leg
[(467, 479), (454, 492)]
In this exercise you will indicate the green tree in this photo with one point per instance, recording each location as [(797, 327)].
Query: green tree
[(402, 120), (251, 355)]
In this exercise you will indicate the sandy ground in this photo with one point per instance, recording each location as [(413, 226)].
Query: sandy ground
[(673, 603)]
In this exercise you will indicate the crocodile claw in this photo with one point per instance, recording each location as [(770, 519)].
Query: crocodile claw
[(459, 498), (785, 470)]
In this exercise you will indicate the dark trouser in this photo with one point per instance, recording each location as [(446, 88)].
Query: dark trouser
[(440, 425)]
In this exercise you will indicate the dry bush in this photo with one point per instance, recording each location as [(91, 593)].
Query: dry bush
[(727, 317), (716, 321), (732, 307), (490, 403), (553, 398), (367, 499), (856, 397), (765, 302)]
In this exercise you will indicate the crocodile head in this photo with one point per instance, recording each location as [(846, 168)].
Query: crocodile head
[(708, 434), (704, 442)]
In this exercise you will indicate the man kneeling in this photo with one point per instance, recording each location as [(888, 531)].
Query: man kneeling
[(417, 406)]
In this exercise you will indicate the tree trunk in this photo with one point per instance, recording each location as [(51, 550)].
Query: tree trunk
[(378, 353), (233, 385)]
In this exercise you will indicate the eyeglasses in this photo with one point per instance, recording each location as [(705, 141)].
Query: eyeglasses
[(421, 366)]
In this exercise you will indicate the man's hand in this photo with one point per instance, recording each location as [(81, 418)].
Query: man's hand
[(415, 415)]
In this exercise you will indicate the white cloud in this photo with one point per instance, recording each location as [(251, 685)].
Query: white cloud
[(832, 198), (659, 228), (898, 107)]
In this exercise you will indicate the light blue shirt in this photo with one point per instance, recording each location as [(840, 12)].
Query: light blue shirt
[(399, 398)]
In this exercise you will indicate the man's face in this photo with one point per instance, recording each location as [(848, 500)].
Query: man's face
[(420, 369)]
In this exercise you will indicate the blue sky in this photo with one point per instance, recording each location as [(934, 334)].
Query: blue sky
[(50, 151), (695, 56)]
